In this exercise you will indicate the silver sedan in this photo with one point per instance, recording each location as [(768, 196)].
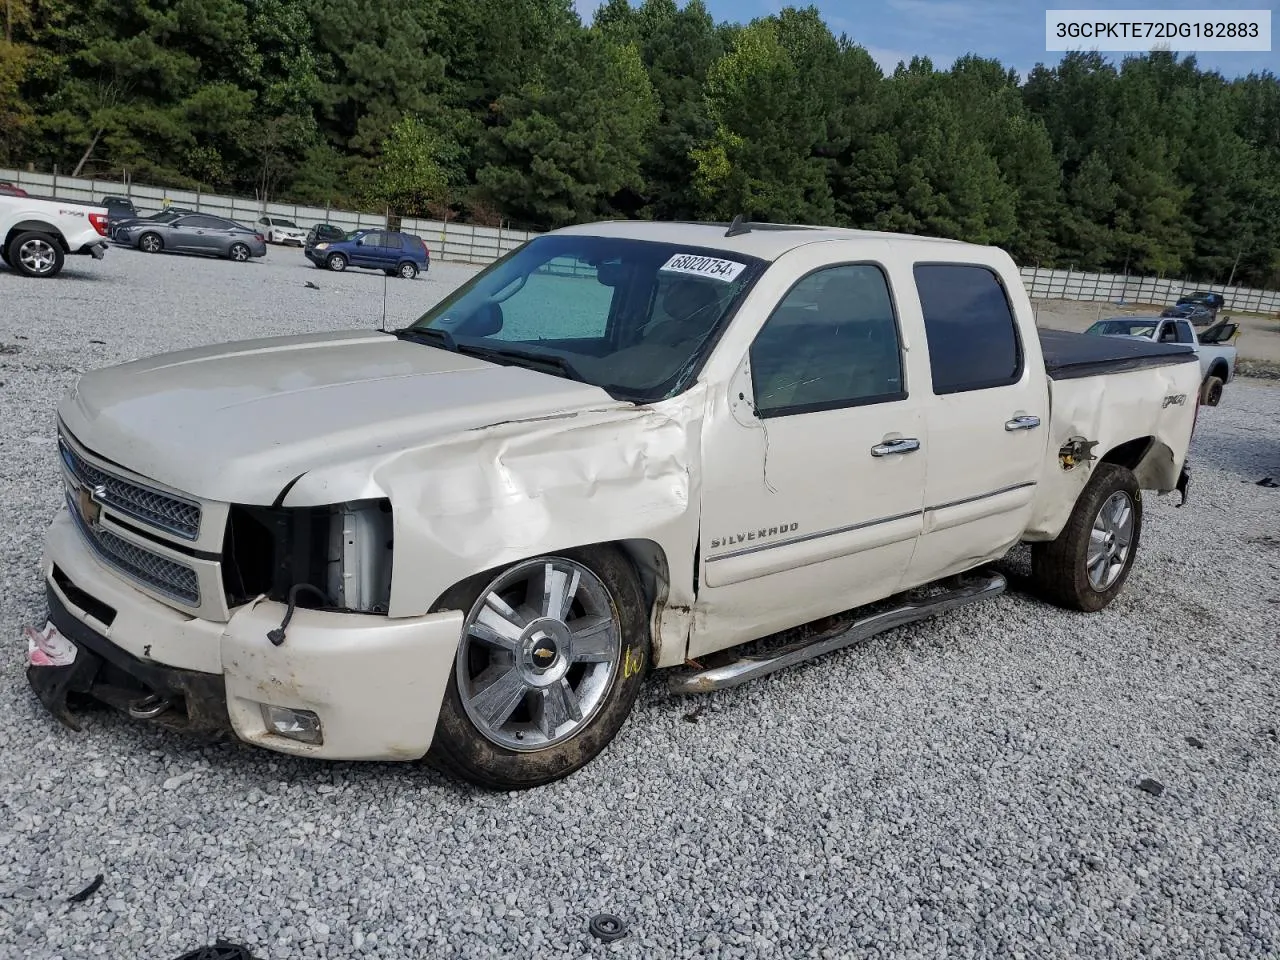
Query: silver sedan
[(195, 233)]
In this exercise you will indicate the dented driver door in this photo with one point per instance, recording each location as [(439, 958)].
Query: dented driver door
[(813, 459)]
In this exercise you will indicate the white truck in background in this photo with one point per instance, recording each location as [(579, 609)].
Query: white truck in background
[(624, 445), (37, 235), (1213, 346)]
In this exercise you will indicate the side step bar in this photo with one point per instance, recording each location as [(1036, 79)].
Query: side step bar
[(916, 605)]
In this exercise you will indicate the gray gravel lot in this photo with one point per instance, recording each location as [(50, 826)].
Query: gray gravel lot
[(961, 788)]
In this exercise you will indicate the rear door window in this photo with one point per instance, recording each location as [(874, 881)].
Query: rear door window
[(972, 337)]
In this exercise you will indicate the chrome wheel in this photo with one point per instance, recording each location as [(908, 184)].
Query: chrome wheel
[(37, 255), (1109, 541), (150, 243), (408, 271), (539, 651), (239, 252)]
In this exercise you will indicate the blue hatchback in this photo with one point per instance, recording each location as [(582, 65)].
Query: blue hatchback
[(395, 254)]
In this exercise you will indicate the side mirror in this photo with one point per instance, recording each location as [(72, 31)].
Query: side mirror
[(360, 242)]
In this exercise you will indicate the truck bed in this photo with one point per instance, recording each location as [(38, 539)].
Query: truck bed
[(1069, 356)]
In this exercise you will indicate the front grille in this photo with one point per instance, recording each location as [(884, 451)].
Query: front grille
[(162, 510), (173, 579)]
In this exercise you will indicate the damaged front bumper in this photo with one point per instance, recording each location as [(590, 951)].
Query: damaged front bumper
[(373, 684)]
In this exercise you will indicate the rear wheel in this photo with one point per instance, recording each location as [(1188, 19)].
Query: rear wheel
[(336, 262), (35, 255), (150, 243), (550, 661), (1211, 391), (1087, 565), (239, 252), (408, 270)]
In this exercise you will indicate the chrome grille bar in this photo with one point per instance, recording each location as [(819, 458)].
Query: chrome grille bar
[(164, 511)]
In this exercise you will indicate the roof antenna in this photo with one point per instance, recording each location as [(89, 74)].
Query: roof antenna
[(738, 227)]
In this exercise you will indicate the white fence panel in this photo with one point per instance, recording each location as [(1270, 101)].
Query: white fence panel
[(473, 244)]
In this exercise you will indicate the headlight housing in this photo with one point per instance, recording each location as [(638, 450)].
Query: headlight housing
[(322, 246), (344, 550)]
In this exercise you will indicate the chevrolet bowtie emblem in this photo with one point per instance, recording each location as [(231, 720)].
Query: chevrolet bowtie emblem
[(87, 501)]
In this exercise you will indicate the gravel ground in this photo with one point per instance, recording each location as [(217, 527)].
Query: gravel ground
[(962, 788)]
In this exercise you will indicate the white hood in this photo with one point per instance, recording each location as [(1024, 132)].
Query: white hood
[(237, 422)]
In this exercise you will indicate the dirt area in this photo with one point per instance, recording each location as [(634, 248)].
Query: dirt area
[(1258, 340)]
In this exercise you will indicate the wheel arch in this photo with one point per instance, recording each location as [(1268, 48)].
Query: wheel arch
[(36, 226), (1151, 461), (1220, 369)]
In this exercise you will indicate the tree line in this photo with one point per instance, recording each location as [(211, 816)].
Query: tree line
[(515, 109)]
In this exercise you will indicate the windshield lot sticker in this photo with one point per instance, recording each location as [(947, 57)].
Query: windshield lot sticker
[(710, 267)]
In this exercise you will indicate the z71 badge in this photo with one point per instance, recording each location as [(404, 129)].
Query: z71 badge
[(1177, 399), (764, 533)]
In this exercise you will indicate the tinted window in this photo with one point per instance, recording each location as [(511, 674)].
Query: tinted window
[(831, 342), (973, 341), (201, 223), (391, 241), (637, 318)]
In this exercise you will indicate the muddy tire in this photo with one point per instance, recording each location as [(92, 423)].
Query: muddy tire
[(553, 653), (1086, 567), (1211, 391)]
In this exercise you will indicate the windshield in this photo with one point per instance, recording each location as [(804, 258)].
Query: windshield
[(1132, 327), (283, 223), (633, 317)]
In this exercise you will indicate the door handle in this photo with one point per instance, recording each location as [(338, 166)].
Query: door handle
[(1022, 423), (890, 447)]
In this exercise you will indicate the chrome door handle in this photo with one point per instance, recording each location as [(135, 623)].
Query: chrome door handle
[(890, 447), (1022, 423)]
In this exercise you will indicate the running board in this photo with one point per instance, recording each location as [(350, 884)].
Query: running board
[(910, 607)]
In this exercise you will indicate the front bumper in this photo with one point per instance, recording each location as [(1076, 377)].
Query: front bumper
[(375, 683)]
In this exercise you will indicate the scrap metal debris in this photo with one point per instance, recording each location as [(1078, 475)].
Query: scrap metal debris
[(1153, 787), (607, 927), (693, 715), (87, 892), (311, 285), (1268, 482), (1195, 742)]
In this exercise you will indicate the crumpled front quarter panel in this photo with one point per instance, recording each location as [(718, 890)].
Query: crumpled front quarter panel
[(489, 497)]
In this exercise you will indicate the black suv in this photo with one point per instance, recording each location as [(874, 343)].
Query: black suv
[(324, 233)]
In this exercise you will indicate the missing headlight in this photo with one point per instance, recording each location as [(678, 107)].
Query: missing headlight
[(343, 550)]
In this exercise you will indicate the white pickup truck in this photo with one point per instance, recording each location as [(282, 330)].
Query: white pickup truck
[(1213, 346), (37, 235), (625, 445)]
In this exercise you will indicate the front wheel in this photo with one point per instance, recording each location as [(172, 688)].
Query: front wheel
[(1087, 565), (35, 255), (239, 252), (336, 262), (552, 656)]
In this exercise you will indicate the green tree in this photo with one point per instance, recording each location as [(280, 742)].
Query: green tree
[(566, 149), (409, 176)]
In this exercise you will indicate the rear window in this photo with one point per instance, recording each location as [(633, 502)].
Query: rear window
[(973, 340)]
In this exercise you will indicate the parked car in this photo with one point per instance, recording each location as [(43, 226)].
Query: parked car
[(626, 445), (8, 189), (1217, 356), (37, 235), (1214, 301), (119, 210), (280, 230), (1197, 313), (196, 233), (395, 254), (324, 233), (162, 216)]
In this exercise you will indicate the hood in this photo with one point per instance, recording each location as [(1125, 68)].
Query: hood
[(237, 422)]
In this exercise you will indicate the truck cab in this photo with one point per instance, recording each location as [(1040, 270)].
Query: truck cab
[(1212, 346), (623, 446)]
